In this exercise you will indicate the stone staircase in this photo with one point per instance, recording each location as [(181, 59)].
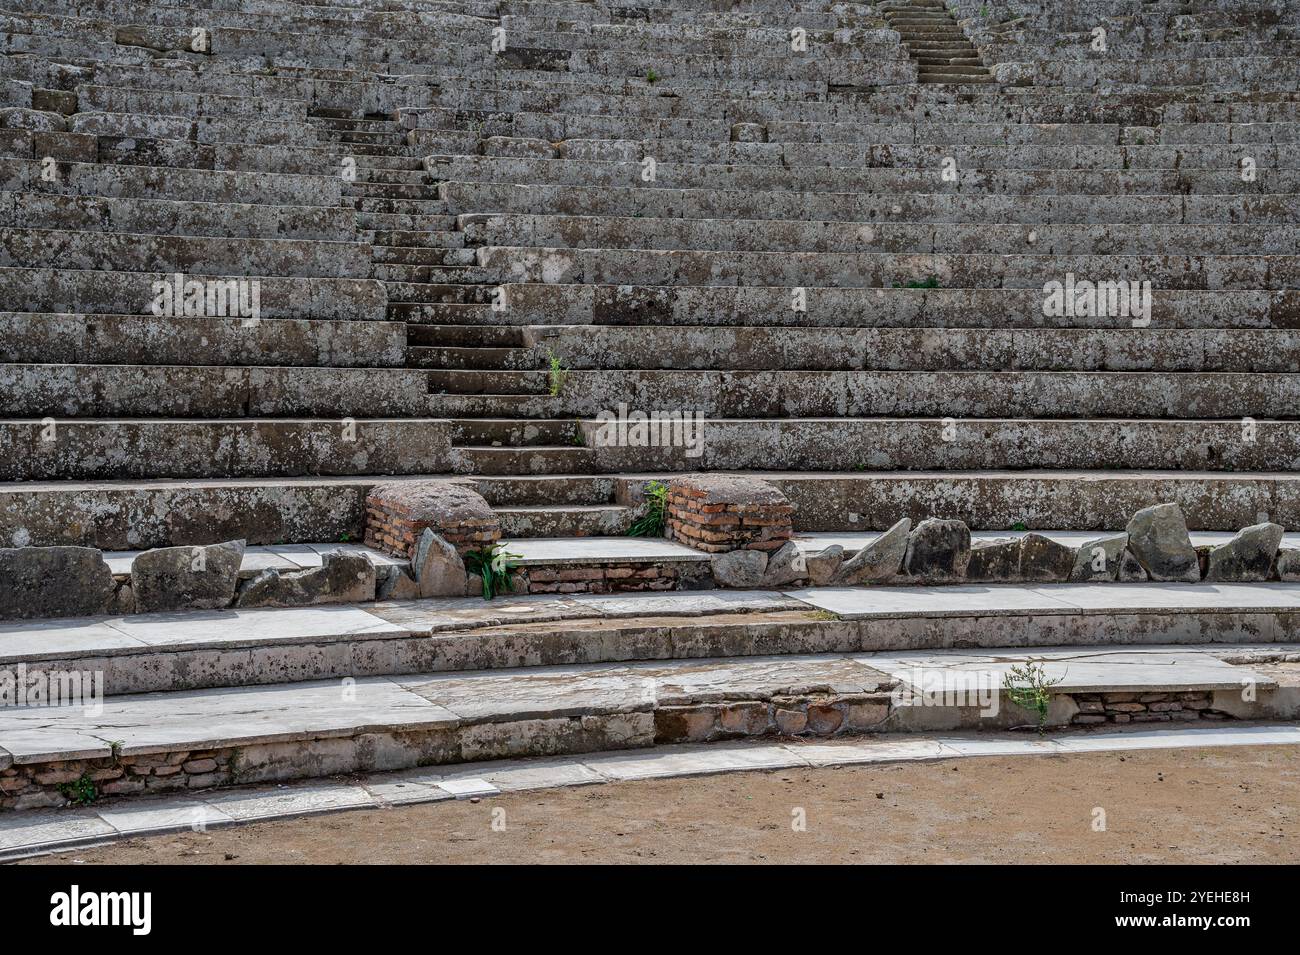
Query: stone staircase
[(936, 41)]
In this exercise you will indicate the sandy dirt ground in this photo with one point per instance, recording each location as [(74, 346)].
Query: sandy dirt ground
[(1189, 806)]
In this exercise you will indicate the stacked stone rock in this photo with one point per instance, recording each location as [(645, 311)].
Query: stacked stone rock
[(842, 269)]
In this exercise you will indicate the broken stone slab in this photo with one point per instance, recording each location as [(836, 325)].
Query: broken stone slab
[(1248, 557), (995, 562), (823, 565), (1130, 571), (1288, 564), (186, 578), (1158, 539), (785, 566), (1043, 559), (938, 550), (742, 569), (879, 560), (54, 582), (1099, 559), (343, 577), (437, 567)]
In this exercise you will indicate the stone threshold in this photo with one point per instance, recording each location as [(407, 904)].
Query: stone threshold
[(158, 742), (196, 650), (42, 832)]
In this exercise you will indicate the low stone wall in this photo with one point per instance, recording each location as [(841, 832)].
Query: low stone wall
[(1144, 708), (398, 514), (813, 715), (720, 513), (613, 577)]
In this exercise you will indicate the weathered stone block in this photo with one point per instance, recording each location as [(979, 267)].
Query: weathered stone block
[(1158, 539), (878, 561), (938, 550), (397, 514), (1248, 557), (53, 582)]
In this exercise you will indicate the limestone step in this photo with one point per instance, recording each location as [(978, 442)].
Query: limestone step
[(492, 432), (526, 459), (212, 391), (844, 308), (881, 269), (157, 512), (839, 444), (826, 349), (115, 449), (784, 394), (764, 235), (133, 293), (923, 204), (103, 339), (573, 520), (285, 731)]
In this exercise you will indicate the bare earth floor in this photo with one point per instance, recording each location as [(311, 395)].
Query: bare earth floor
[(1211, 806)]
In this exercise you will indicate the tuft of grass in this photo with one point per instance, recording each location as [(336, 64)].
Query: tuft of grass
[(825, 615), (651, 76), (1020, 526), (493, 565), (1029, 688), (651, 523), (81, 791), (556, 374)]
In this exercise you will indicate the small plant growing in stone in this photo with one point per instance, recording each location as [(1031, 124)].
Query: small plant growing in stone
[(556, 374), (1029, 688), (651, 76), (115, 750), (825, 615), (493, 565), (651, 523), (1020, 526), (82, 791)]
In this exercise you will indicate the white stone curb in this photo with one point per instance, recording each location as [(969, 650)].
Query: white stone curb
[(27, 834)]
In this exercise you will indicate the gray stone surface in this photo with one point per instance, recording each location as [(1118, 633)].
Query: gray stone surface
[(438, 569), (189, 578), (1043, 559), (1099, 559), (742, 569), (342, 578), (786, 566), (878, 561), (823, 564), (1249, 556), (1158, 540), (53, 582), (938, 550), (994, 561)]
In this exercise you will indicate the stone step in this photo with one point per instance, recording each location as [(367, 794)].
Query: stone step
[(778, 394), (624, 305), (761, 235), (133, 293), (814, 349), (120, 251), (53, 338), (125, 515), (824, 179), (474, 357), (528, 459), (212, 391), (117, 449), (881, 269), (221, 737), (843, 444), (467, 335), (513, 431), (176, 218), (575, 520)]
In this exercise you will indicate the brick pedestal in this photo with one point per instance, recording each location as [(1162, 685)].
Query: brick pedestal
[(398, 513), (717, 513)]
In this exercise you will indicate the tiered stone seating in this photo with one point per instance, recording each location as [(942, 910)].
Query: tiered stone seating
[(385, 175)]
